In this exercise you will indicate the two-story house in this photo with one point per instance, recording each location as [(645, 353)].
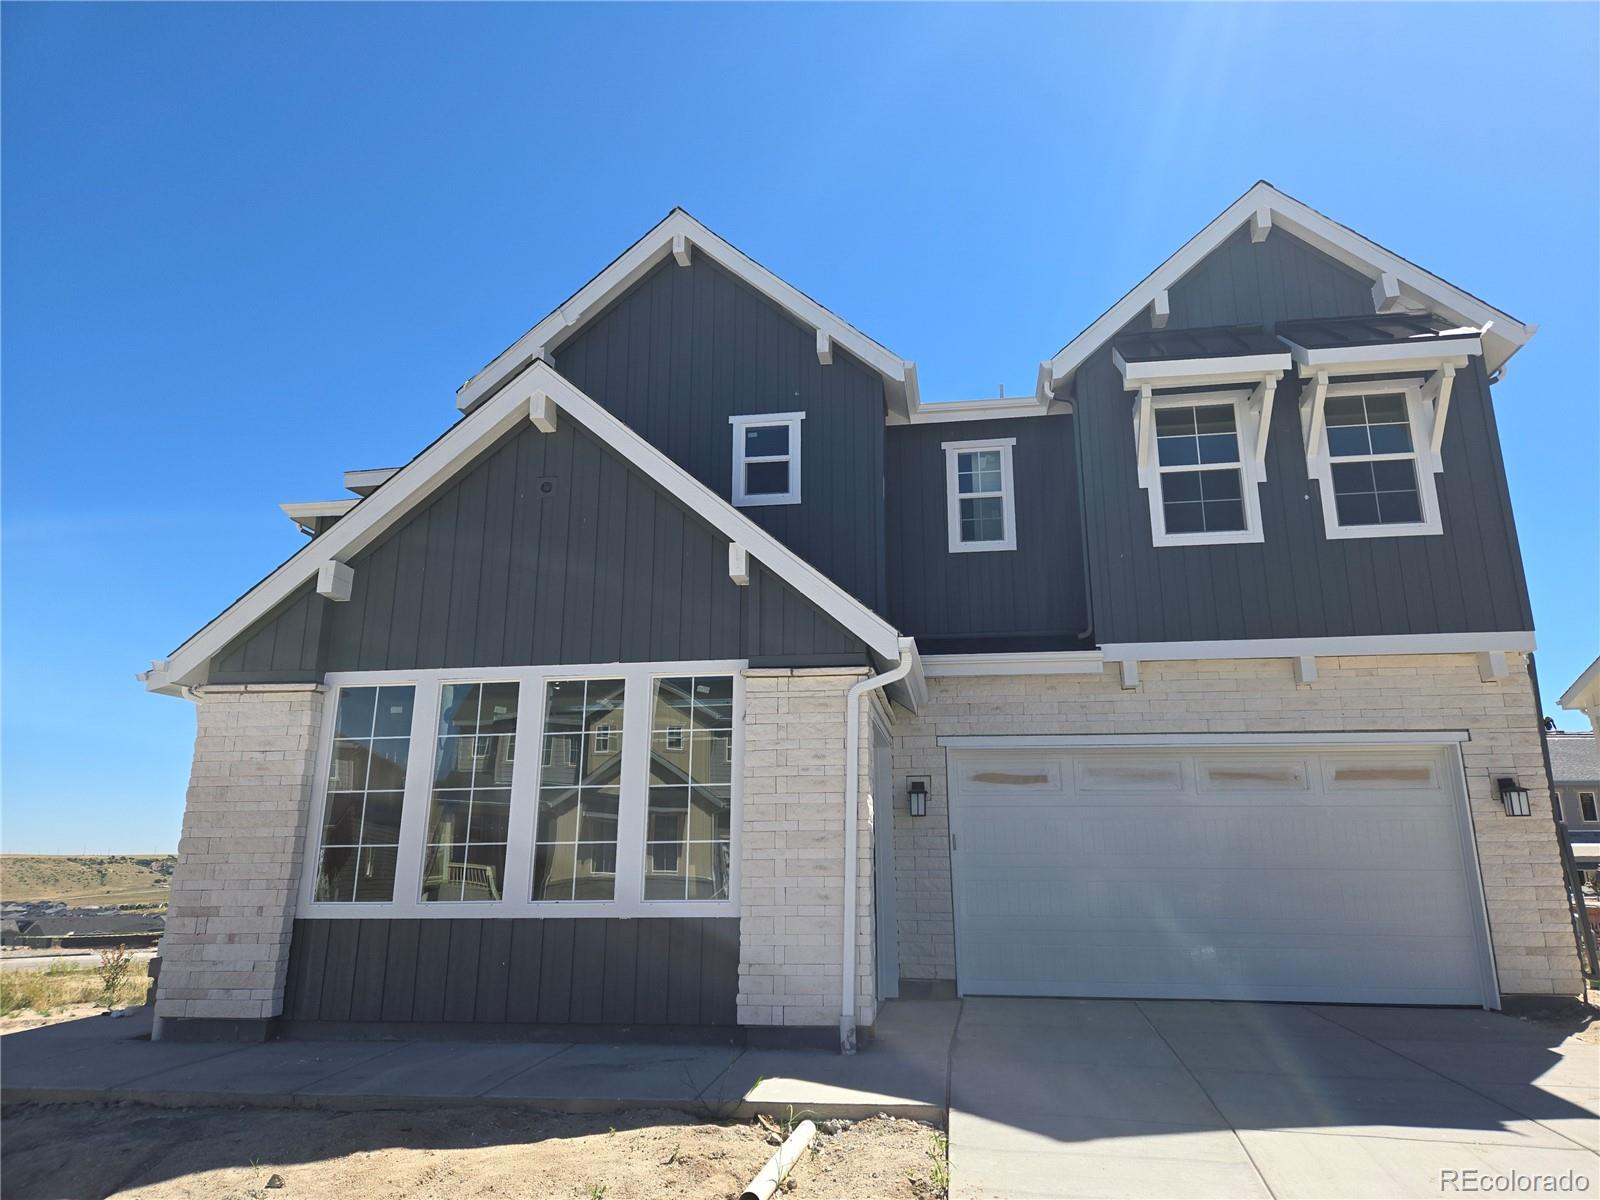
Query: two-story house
[(704, 675)]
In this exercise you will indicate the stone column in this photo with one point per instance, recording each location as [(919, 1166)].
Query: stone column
[(226, 948), (791, 884)]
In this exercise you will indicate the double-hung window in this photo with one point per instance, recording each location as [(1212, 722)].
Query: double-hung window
[(980, 495), (628, 806), (1373, 463), (1201, 477), (766, 459)]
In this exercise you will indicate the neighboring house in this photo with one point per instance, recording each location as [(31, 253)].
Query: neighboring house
[(1198, 673), (1575, 775), (85, 927)]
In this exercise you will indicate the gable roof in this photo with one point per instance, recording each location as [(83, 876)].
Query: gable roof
[(1585, 690), (1268, 208), (535, 393), (681, 236), (1574, 758)]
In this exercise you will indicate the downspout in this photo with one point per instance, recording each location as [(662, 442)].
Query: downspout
[(852, 807), (1087, 631)]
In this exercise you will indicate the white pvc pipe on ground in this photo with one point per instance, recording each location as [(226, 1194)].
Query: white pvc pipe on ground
[(780, 1164)]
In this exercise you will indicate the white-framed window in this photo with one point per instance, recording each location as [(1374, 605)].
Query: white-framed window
[(422, 806), (1586, 807), (766, 459), (1372, 462), (1199, 468), (672, 737), (980, 495)]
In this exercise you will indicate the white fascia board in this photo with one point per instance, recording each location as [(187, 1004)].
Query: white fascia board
[(1044, 662), (997, 409), (365, 482), (1585, 690), (436, 465), (1343, 244), (1420, 355), (1184, 372), (1520, 642), (638, 260)]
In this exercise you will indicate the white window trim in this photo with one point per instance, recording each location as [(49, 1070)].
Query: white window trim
[(1247, 422), (953, 496), (1319, 461), (791, 421), (518, 883)]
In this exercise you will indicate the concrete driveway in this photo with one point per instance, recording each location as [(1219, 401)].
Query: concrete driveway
[(1065, 1098)]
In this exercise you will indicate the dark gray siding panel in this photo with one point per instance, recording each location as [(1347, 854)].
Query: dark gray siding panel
[(1297, 583), (283, 648), (1028, 598), (681, 971), (688, 347), (496, 571)]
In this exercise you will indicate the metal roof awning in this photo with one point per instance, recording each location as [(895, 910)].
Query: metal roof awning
[(1386, 343), (1180, 358)]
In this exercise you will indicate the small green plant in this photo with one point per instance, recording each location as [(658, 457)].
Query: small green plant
[(597, 1191), (793, 1119), (113, 971), (672, 1158), (939, 1164)]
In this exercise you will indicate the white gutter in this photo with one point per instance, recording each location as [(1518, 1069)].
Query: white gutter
[(852, 807)]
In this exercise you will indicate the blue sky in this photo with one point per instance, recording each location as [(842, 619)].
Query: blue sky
[(247, 247)]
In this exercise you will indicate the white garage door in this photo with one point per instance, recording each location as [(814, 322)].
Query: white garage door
[(1228, 874)]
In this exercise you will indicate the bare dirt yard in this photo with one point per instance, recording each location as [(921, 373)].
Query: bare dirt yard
[(134, 1152)]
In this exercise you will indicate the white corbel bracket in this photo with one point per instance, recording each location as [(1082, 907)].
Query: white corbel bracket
[(1129, 670), (824, 348), (1160, 310), (680, 249), (335, 580), (738, 564), (1260, 224), (1318, 412), (1305, 668), (1438, 389), (1492, 666), (542, 412), (1386, 293)]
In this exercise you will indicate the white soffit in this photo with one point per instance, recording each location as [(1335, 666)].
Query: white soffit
[(1584, 693), (680, 236), (533, 390), (1503, 334)]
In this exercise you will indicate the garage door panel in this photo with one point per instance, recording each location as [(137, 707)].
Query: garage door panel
[(1091, 836), (1194, 905), (1301, 876)]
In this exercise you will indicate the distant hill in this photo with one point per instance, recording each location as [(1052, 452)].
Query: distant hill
[(87, 879)]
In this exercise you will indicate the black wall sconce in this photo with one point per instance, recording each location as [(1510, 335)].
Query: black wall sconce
[(917, 797), (1515, 797)]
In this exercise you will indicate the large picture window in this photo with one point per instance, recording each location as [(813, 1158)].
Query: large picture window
[(689, 830), (469, 816), (626, 802), (365, 794)]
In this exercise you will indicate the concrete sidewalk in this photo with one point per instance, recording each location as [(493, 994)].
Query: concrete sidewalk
[(904, 1072)]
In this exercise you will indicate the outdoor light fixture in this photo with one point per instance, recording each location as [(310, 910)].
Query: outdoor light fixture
[(1515, 797), (917, 797)]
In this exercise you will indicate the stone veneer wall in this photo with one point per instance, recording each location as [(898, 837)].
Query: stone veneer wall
[(1530, 927), (226, 948), (791, 850)]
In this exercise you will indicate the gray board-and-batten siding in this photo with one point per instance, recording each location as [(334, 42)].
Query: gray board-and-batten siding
[(685, 348), (524, 972), (1298, 583), (547, 549)]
